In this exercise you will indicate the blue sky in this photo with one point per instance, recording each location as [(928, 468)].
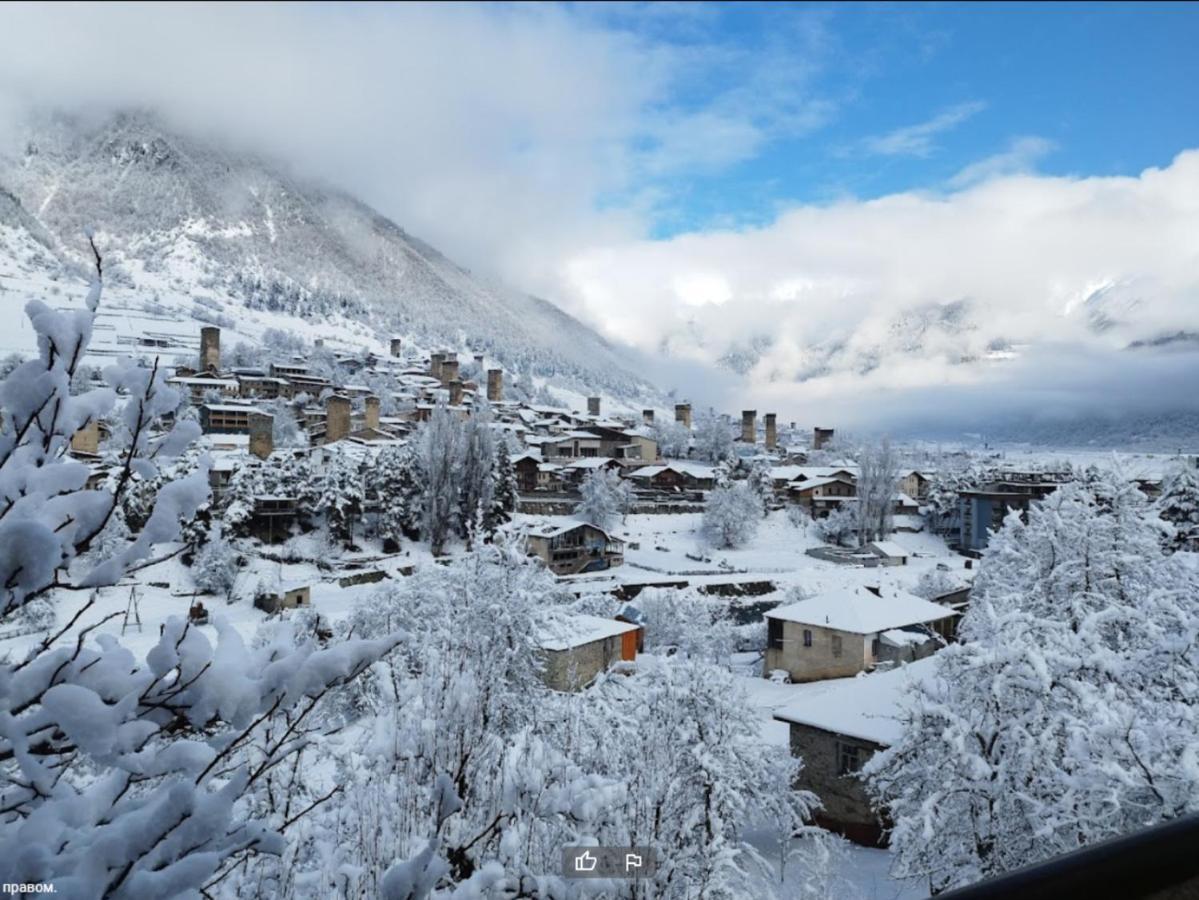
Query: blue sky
[(868, 100)]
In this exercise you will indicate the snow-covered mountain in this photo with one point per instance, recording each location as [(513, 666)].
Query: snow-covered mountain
[(210, 233)]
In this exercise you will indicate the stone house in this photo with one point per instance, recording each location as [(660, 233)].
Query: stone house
[(675, 476), (820, 496), (847, 630), (889, 553), (285, 596), (576, 649), (836, 733)]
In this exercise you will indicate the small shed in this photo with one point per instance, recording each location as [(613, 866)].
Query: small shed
[(578, 648), (285, 596), (889, 553)]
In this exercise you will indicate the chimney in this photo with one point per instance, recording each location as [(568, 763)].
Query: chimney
[(262, 434), (435, 360), (682, 413), (371, 417), (210, 349), (495, 385), (593, 406), (772, 431), (449, 370), (396, 346), (87, 438), (337, 418), (821, 436), (749, 426), (456, 392), (647, 417)]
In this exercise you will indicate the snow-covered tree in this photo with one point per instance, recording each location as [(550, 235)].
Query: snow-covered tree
[(606, 497), (504, 498), (476, 471), (440, 446), (395, 481), (685, 623), (878, 479), (1067, 715), (934, 583), (118, 776), (713, 437), (673, 439), (342, 495), (683, 740), (1179, 505), (839, 526), (761, 483), (799, 517), (215, 567), (732, 515)]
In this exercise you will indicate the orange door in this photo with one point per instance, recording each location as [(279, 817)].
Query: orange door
[(628, 645)]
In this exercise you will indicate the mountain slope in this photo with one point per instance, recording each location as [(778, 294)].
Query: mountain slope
[(184, 218)]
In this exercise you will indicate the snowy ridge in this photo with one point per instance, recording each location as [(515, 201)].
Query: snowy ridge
[(187, 223)]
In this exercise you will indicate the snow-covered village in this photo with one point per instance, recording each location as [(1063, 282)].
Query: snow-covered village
[(332, 567)]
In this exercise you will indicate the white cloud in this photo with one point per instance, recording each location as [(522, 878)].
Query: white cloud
[(1021, 155), (920, 139), (840, 289)]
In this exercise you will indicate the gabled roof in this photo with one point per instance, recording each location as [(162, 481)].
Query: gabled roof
[(562, 631), (858, 611), (817, 483), (866, 707), (888, 548), (695, 470), (552, 527)]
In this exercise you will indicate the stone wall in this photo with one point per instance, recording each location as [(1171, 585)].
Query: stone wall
[(818, 661), (570, 670), (847, 809)]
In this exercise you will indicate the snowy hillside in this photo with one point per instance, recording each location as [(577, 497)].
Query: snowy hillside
[(197, 232)]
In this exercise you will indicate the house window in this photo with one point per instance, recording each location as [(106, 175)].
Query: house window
[(807, 637), (836, 645), (849, 759), (774, 634)]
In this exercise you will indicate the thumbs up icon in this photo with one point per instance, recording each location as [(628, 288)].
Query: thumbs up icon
[(585, 862)]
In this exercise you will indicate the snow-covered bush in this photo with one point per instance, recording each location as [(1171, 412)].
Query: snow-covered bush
[(732, 515), (799, 517), (122, 777), (838, 527), (1067, 714), (934, 583), (713, 437)]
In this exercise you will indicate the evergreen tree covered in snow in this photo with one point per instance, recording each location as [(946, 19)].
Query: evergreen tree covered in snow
[(1067, 715), (215, 567), (761, 483), (504, 498), (732, 515), (342, 495), (395, 481), (1179, 505)]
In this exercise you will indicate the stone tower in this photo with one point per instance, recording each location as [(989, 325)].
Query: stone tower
[(337, 418), (749, 426), (821, 437), (210, 349), (682, 414), (262, 434), (371, 415), (495, 385), (647, 417), (396, 346), (593, 406), (772, 431)]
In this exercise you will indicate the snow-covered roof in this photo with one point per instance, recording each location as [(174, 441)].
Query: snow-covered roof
[(695, 470), (888, 549), (552, 526), (858, 611), (813, 483), (865, 707), (230, 407), (903, 499), (590, 462), (562, 631)]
